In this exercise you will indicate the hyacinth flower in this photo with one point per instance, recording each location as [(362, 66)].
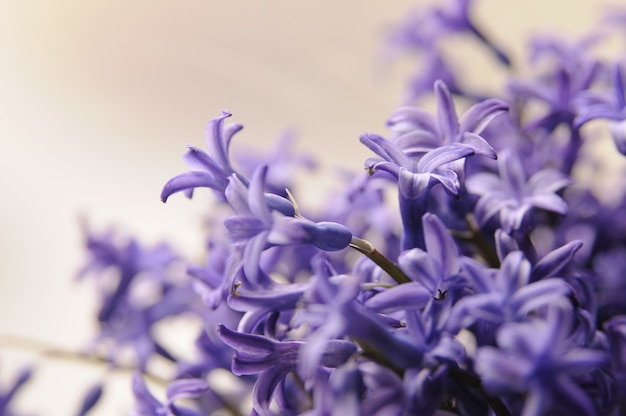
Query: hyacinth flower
[(272, 360), (255, 228), (213, 170), (123, 317), (434, 272), (560, 92), (511, 196), (538, 359), (417, 131), (210, 170), (129, 258), (504, 295), (415, 177), (421, 30), (549, 265), (147, 404), (612, 108), (333, 310)]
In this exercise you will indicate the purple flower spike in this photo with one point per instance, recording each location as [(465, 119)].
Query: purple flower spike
[(512, 197)]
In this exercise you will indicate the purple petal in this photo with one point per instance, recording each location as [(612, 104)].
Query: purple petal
[(217, 141), (414, 185), (145, 402), (514, 273), (252, 257), (478, 116), (479, 145), (384, 148), (598, 111), (256, 195), (416, 143), (439, 244), (547, 180), (512, 172), (406, 119), (555, 260), (188, 181), (505, 244), (199, 160), (237, 195), (264, 389), (91, 399), (442, 155), (617, 130), (449, 180), (408, 295), (446, 113), (421, 267), (188, 388), (543, 292), (242, 228), (549, 202)]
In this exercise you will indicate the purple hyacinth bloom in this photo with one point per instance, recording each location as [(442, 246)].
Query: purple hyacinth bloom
[(423, 28), (209, 170), (255, 228), (417, 131), (537, 358), (259, 305), (334, 312), (505, 294), (148, 405), (612, 107), (129, 259), (559, 92), (512, 197), (437, 268), (415, 178), (256, 354)]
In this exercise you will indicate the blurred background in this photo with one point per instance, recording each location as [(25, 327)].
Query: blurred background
[(98, 100)]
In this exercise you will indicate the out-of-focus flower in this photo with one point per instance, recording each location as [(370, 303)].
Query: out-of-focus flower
[(7, 394), (611, 107), (511, 196), (536, 358)]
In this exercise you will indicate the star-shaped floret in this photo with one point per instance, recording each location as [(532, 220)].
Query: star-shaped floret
[(510, 196)]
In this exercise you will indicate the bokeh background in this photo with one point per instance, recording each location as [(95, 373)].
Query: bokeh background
[(98, 99)]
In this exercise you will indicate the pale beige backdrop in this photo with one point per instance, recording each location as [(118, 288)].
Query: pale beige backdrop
[(98, 99)]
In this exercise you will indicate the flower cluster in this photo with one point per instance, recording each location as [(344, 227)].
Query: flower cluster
[(494, 284)]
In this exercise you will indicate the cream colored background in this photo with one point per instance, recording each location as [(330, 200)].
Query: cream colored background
[(98, 99)]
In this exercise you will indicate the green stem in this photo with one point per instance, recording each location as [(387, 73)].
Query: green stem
[(496, 404), (366, 248)]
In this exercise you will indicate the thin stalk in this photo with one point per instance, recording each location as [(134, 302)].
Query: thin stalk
[(366, 248)]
